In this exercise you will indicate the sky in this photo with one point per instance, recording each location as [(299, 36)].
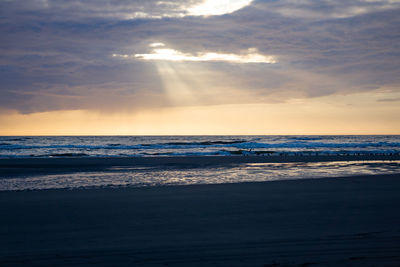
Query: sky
[(187, 67)]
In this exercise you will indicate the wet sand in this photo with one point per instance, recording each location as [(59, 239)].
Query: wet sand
[(181, 160), (353, 221), (32, 166)]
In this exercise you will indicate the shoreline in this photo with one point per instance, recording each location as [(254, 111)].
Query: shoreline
[(180, 160), (30, 167)]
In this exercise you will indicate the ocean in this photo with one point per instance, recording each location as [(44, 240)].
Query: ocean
[(147, 146), (163, 146)]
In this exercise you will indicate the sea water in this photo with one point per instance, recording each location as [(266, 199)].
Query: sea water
[(156, 146), (147, 146)]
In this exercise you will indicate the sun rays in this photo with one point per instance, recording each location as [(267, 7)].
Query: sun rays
[(186, 81), (179, 87)]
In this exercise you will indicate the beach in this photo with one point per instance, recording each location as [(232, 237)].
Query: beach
[(226, 133), (28, 166), (342, 221)]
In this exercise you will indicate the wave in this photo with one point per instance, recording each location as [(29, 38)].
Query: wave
[(317, 145), (208, 144), (213, 153), (305, 138), (19, 139), (68, 155)]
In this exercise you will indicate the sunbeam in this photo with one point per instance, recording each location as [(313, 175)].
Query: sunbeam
[(186, 82), (179, 90)]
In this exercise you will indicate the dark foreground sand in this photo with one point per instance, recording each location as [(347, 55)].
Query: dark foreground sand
[(319, 222)]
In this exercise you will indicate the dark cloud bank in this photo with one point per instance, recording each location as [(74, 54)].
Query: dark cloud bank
[(58, 54)]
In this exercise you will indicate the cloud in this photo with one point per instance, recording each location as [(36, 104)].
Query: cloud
[(58, 54), (79, 10), (73, 10), (389, 100), (327, 9)]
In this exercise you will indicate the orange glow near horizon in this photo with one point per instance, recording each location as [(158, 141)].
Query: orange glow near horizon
[(329, 115)]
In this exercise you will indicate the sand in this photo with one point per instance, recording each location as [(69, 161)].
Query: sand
[(353, 221)]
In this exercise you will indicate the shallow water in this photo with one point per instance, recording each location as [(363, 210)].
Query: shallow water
[(155, 176)]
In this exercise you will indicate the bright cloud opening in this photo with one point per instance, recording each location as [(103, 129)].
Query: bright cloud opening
[(217, 7), (179, 10), (167, 54)]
